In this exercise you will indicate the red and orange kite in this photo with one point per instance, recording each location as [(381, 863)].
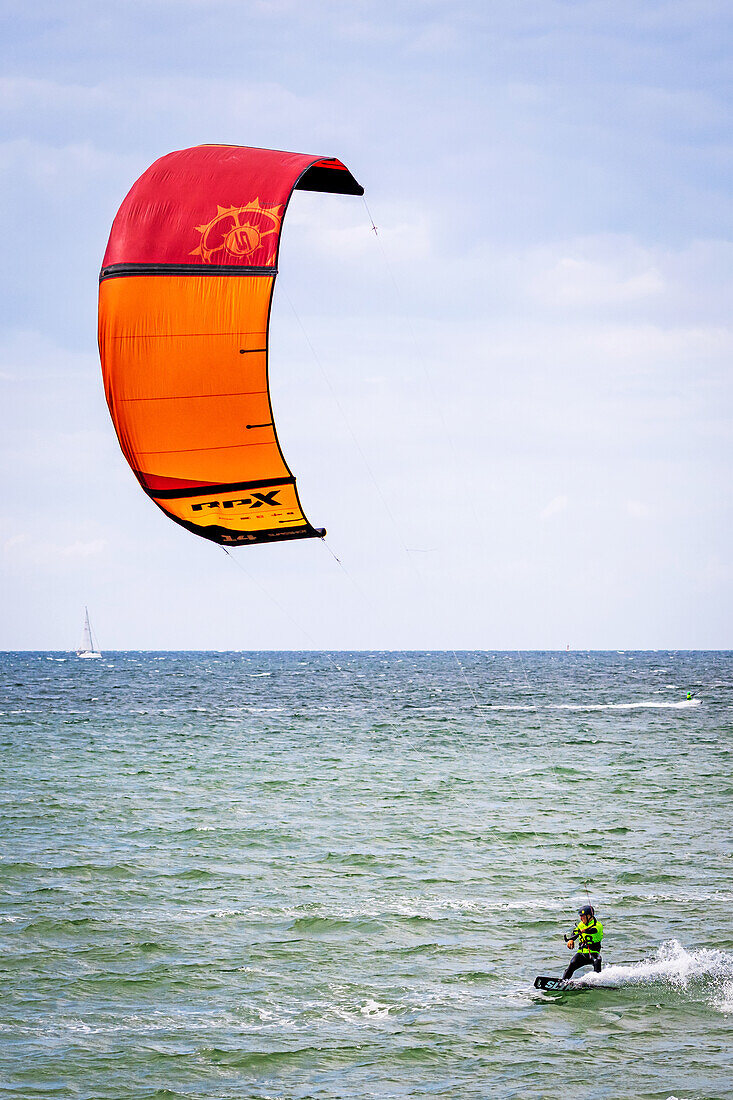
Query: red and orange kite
[(184, 308)]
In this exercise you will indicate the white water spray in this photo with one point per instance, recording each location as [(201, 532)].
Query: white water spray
[(707, 971)]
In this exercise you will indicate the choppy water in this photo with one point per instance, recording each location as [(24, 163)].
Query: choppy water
[(307, 875)]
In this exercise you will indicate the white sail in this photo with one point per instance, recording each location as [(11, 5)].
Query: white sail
[(87, 647)]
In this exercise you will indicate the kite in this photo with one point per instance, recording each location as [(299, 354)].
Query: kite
[(184, 308)]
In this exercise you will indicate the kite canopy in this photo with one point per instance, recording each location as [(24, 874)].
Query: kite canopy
[(184, 308)]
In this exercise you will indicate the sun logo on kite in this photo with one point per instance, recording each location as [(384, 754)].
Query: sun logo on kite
[(239, 231)]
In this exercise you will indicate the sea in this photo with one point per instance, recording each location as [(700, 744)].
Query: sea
[(296, 875)]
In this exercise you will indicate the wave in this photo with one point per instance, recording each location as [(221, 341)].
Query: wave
[(646, 704), (269, 1061), (322, 924)]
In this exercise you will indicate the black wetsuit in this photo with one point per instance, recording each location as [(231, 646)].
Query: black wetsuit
[(582, 958)]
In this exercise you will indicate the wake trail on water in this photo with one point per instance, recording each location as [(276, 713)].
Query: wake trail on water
[(707, 972), (654, 704)]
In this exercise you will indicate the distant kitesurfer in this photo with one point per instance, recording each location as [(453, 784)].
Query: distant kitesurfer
[(589, 934)]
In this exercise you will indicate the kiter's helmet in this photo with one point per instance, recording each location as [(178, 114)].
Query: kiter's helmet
[(587, 911)]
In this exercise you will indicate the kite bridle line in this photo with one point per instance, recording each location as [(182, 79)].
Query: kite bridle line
[(395, 526), (447, 434)]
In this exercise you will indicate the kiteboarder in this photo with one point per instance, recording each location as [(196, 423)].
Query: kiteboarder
[(589, 934)]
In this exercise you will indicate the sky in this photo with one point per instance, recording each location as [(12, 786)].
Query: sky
[(511, 406)]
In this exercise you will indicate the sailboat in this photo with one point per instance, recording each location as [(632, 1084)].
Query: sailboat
[(87, 647)]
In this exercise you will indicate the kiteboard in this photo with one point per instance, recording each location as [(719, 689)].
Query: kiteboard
[(558, 985)]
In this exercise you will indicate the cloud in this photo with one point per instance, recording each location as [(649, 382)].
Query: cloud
[(119, 117), (577, 281), (27, 355), (13, 541), (34, 549), (80, 549), (555, 507)]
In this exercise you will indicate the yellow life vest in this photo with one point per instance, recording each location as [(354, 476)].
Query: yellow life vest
[(589, 937)]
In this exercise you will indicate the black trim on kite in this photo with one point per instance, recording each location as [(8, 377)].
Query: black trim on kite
[(214, 490), (117, 271), (267, 425), (332, 181), (226, 537)]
